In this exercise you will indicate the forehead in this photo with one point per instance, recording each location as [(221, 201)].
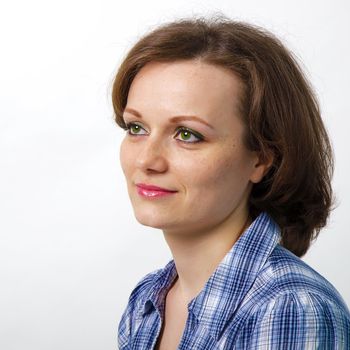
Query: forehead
[(188, 86)]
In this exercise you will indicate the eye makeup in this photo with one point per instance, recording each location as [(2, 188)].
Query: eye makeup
[(131, 127)]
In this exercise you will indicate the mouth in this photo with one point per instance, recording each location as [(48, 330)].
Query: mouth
[(152, 191)]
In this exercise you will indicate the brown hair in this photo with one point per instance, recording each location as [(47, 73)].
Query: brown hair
[(279, 109)]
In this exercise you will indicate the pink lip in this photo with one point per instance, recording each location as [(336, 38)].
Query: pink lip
[(152, 191)]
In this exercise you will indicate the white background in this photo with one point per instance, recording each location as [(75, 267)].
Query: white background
[(70, 248)]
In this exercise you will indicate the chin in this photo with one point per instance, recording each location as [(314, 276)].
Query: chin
[(150, 219)]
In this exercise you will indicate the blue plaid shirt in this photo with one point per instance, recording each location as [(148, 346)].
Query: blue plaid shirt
[(261, 296)]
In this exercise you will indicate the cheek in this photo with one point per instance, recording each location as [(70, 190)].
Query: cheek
[(213, 186), (220, 171)]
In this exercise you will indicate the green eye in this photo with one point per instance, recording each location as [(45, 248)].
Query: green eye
[(134, 129), (186, 134)]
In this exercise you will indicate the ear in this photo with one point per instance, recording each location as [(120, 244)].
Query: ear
[(261, 166)]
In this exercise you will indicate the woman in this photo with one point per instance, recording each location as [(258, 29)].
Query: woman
[(226, 153)]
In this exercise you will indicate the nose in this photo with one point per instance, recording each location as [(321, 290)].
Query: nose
[(152, 156)]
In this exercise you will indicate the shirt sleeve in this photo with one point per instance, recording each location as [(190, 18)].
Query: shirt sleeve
[(293, 321)]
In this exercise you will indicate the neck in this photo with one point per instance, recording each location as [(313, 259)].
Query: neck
[(197, 256)]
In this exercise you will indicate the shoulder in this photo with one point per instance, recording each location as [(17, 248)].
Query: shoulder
[(293, 304), (130, 315), (283, 273), (290, 273), (296, 319), (300, 319)]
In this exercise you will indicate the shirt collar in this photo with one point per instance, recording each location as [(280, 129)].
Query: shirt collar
[(232, 278), (160, 285)]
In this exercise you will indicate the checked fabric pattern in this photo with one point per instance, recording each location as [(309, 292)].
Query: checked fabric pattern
[(261, 296)]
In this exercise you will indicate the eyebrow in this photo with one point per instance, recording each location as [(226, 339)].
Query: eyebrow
[(173, 119)]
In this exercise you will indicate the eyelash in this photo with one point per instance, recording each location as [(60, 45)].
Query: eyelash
[(199, 137)]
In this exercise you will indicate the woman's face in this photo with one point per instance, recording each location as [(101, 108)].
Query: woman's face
[(212, 177)]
